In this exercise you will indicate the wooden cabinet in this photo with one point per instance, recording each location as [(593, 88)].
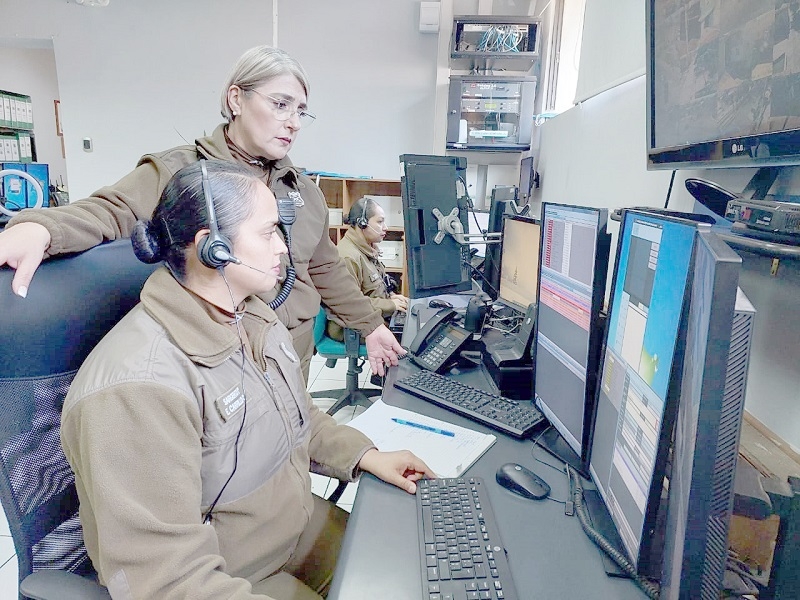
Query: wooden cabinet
[(341, 193)]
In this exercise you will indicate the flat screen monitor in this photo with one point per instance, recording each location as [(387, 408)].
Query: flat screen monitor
[(640, 375), (519, 262), (723, 82), (706, 442), (436, 263), (526, 179), (502, 204), (572, 284)]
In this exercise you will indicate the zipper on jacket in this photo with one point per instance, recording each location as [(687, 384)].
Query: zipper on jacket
[(274, 392)]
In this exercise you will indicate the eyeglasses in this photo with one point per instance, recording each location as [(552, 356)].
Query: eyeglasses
[(283, 110)]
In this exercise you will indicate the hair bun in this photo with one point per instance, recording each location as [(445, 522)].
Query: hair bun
[(147, 239)]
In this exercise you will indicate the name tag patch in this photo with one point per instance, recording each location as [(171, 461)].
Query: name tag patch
[(230, 403), (373, 277)]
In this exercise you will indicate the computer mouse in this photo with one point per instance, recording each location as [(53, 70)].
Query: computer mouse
[(438, 303), (522, 481), (415, 310)]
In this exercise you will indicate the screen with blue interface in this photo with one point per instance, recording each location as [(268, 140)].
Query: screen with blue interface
[(569, 301), (639, 377)]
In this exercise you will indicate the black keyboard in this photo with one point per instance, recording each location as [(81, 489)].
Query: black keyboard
[(514, 418), (462, 555)]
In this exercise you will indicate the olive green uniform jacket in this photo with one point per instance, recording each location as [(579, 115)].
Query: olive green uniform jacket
[(363, 263), (150, 427), (111, 212)]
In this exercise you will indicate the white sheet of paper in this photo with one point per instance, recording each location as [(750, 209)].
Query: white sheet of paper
[(448, 456)]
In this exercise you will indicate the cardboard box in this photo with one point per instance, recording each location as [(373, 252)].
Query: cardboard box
[(393, 208), (335, 216)]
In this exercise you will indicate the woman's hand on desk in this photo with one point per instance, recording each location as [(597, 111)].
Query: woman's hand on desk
[(401, 468)]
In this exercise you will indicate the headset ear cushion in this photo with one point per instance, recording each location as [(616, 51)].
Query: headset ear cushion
[(207, 247)]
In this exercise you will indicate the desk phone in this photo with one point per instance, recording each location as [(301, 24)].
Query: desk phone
[(438, 342)]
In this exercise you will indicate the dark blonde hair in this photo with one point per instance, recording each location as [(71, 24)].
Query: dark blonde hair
[(257, 66)]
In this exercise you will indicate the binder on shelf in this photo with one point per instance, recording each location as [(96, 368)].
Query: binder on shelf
[(7, 109)]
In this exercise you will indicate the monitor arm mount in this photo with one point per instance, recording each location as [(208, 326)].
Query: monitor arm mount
[(451, 224)]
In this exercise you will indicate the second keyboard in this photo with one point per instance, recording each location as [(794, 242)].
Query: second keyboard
[(513, 418)]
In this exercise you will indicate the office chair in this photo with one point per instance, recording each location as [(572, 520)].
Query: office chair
[(72, 303), (352, 349)]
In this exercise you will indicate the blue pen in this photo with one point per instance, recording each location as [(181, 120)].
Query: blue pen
[(425, 427)]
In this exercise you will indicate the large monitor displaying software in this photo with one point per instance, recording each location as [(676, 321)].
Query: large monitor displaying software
[(640, 375), (436, 263), (572, 283), (519, 262)]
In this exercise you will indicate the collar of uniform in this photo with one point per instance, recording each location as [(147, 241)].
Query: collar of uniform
[(200, 337), (216, 146), (356, 237)]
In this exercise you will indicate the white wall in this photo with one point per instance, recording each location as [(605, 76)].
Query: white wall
[(32, 71), (135, 82), (132, 81), (373, 77)]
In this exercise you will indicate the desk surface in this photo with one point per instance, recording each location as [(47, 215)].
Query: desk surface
[(549, 554)]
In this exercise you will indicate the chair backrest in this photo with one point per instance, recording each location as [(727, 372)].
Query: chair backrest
[(73, 301), (320, 324)]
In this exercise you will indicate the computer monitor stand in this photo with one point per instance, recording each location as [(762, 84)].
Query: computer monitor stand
[(555, 444)]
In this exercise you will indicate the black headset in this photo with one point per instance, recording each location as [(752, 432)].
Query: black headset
[(362, 220), (214, 250)]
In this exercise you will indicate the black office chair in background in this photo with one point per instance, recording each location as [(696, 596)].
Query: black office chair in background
[(72, 303)]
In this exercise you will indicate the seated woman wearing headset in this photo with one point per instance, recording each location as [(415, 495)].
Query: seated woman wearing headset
[(189, 427), (359, 250)]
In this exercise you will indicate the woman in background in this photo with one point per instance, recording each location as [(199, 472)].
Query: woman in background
[(359, 250)]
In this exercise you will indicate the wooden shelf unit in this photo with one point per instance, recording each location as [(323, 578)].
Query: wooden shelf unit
[(343, 192)]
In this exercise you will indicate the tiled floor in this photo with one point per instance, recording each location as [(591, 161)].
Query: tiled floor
[(320, 378)]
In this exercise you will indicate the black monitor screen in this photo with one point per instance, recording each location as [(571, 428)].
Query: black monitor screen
[(640, 373), (519, 262), (525, 179), (574, 263), (723, 83)]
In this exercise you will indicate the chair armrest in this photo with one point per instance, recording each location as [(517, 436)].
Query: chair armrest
[(50, 584), (337, 493)]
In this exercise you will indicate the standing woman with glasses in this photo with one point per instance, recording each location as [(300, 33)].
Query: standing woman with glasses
[(264, 104)]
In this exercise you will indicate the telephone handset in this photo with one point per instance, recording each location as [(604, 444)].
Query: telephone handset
[(436, 344), (287, 213)]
